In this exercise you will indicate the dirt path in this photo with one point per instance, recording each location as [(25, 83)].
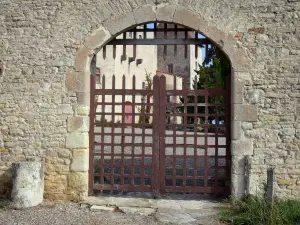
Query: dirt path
[(51, 213), (54, 213)]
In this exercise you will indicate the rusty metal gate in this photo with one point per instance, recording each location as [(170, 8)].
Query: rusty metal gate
[(159, 139)]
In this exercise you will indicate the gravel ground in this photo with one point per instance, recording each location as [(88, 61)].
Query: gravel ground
[(69, 214)]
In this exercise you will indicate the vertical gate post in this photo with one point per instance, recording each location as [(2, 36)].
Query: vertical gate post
[(162, 129), (270, 183), (92, 125), (155, 133)]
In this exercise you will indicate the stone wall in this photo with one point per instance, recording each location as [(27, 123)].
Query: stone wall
[(45, 50)]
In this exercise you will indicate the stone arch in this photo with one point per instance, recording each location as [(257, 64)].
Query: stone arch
[(79, 79)]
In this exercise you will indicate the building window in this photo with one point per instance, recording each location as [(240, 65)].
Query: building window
[(170, 68)]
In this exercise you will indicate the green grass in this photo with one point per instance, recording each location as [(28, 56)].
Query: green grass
[(4, 203), (255, 210)]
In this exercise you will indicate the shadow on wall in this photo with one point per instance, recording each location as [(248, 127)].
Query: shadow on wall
[(5, 183)]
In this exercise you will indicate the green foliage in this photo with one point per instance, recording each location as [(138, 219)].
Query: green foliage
[(148, 80), (4, 204), (215, 68), (256, 210), (146, 108)]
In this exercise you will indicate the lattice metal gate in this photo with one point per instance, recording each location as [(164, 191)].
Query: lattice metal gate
[(164, 139)]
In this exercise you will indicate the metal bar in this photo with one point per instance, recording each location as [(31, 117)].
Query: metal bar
[(270, 184), (174, 134), (143, 121), (167, 145), (170, 92), (124, 53), (175, 46), (206, 138), (134, 52), (177, 189), (217, 133), (114, 51), (113, 125), (190, 177), (144, 31), (132, 131), (159, 29), (185, 46), (165, 37), (124, 188), (102, 132), (104, 51), (171, 104), (123, 129), (162, 128), (228, 125), (184, 139), (158, 42), (91, 136), (155, 152), (171, 114), (118, 134), (195, 131), (196, 46), (192, 135)]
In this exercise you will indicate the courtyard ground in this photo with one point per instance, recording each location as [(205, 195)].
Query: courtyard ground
[(130, 210)]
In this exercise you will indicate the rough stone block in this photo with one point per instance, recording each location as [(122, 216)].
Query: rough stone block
[(236, 130), (237, 97), (81, 110), (78, 81), (136, 210), (238, 165), (78, 182), (190, 19), (256, 96), (238, 185), (237, 112), (83, 59), (78, 123), (242, 147), (80, 160), (97, 39), (246, 113), (119, 23), (249, 113), (144, 14), (83, 98), (165, 12), (77, 140), (66, 109), (286, 181), (244, 77), (28, 184), (97, 208)]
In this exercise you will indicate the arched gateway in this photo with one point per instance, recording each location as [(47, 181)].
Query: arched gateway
[(167, 130)]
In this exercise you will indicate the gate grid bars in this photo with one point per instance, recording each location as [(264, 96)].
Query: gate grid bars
[(162, 141), (158, 139)]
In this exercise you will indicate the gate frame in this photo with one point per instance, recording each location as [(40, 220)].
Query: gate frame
[(78, 80)]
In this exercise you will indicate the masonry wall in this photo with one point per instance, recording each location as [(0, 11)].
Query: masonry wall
[(45, 50)]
